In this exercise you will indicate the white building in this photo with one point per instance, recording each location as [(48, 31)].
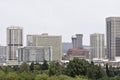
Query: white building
[(34, 54)]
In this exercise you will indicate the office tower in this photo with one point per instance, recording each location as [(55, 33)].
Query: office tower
[(35, 54), (14, 40), (113, 37), (77, 41), (97, 49), (46, 40)]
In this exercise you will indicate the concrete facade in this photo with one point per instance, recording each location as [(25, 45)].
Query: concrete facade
[(14, 40), (2, 54), (74, 41), (97, 49), (45, 40), (3, 51), (113, 37), (34, 54), (77, 41)]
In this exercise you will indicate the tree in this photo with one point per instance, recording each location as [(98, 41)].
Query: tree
[(26, 76), (24, 67), (37, 67), (80, 78), (41, 77), (64, 77), (52, 68), (12, 76), (100, 73), (2, 75), (32, 66), (15, 68), (6, 69), (107, 69), (91, 72), (44, 66), (77, 67), (111, 71), (95, 72), (55, 68), (53, 78)]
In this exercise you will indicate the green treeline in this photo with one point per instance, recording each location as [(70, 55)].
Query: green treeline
[(76, 69)]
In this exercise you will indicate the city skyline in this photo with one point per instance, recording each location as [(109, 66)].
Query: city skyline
[(57, 17)]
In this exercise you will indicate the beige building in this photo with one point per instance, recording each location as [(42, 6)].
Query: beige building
[(46, 40), (14, 40), (97, 49)]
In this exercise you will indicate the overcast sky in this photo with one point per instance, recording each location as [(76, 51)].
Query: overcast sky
[(57, 17)]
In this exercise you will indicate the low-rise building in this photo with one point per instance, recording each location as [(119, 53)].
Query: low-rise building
[(2, 54), (76, 53), (34, 54)]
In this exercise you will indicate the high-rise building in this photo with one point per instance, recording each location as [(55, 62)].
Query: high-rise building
[(14, 40), (35, 54), (113, 37), (77, 41), (97, 49), (46, 40)]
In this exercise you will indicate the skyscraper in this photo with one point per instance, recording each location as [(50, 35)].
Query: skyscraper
[(113, 37), (14, 40), (46, 40), (77, 41), (97, 49)]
